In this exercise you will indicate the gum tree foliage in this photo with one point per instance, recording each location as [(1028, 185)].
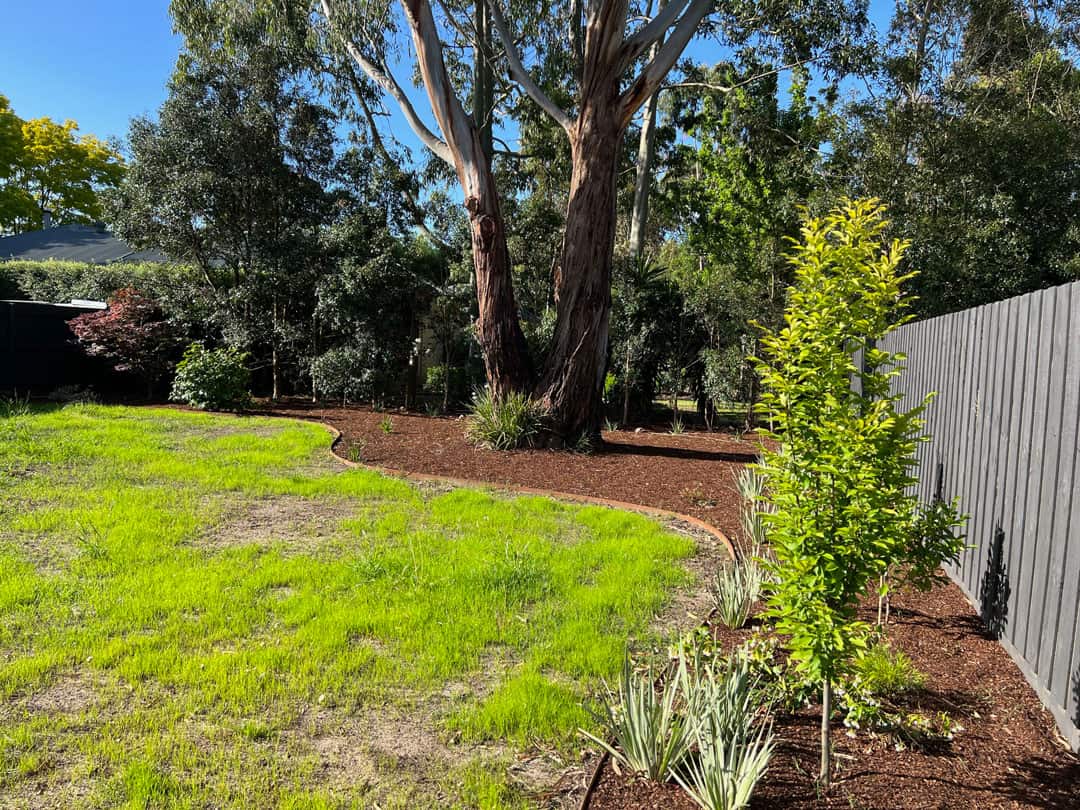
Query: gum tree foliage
[(46, 166), (844, 459), (588, 67), (231, 177), (972, 140)]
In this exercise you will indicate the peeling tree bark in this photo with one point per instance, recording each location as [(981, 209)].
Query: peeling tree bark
[(571, 385), (571, 388), (506, 358)]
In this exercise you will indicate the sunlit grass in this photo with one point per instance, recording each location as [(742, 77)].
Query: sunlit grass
[(149, 659)]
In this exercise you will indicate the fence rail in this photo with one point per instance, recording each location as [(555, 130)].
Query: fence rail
[(1005, 426)]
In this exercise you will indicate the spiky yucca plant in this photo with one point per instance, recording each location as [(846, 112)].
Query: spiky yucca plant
[(652, 736)]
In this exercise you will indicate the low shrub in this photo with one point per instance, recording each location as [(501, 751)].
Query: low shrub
[(873, 699), (212, 379), (503, 424), (343, 372), (885, 671)]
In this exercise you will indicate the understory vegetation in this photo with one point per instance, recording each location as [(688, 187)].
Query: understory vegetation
[(203, 610)]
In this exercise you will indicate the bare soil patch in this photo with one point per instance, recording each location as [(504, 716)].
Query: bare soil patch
[(280, 520)]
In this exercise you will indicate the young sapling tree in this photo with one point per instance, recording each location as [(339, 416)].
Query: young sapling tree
[(844, 457)]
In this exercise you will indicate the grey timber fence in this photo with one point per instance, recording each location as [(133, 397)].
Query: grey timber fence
[(1004, 428)]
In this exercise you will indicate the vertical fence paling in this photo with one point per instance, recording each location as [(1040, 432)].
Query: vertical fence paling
[(1005, 426)]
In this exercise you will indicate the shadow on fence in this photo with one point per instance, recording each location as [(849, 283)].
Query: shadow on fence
[(995, 590)]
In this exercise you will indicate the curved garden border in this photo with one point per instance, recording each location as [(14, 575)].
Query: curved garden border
[(650, 511)]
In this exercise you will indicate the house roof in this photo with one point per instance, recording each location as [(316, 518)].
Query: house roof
[(74, 243)]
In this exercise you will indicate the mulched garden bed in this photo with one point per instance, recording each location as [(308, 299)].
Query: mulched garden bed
[(1008, 754)]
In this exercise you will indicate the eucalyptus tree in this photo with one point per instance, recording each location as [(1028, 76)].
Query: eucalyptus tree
[(588, 65)]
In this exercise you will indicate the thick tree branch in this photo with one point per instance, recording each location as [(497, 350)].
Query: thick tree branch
[(518, 72), (651, 32), (389, 84), (650, 79), (457, 127)]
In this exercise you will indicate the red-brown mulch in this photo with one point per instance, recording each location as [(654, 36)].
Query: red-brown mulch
[(1008, 754)]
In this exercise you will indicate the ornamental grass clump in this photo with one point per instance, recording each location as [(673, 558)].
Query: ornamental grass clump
[(503, 423), (840, 471), (732, 735), (735, 590)]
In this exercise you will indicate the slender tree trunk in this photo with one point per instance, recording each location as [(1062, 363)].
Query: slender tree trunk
[(572, 385), (498, 330), (626, 386), (274, 351), (646, 148), (826, 742)]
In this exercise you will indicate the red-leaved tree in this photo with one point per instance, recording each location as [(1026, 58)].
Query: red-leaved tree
[(132, 334)]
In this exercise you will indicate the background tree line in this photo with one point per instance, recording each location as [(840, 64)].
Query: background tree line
[(322, 242)]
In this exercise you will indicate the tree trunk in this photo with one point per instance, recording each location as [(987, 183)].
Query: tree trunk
[(573, 382), (826, 742), (274, 350), (646, 147), (498, 330)]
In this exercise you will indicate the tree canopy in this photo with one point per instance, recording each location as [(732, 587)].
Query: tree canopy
[(46, 166)]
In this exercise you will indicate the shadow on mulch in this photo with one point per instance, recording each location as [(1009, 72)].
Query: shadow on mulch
[(617, 448), (1043, 783)]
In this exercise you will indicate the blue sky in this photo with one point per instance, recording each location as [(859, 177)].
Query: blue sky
[(100, 62), (103, 62)]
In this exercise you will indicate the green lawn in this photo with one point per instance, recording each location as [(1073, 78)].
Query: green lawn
[(201, 611)]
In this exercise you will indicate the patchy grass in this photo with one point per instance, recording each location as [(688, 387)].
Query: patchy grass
[(169, 638)]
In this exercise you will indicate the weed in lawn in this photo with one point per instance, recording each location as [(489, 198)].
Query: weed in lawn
[(204, 656), (11, 407), (698, 497)]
